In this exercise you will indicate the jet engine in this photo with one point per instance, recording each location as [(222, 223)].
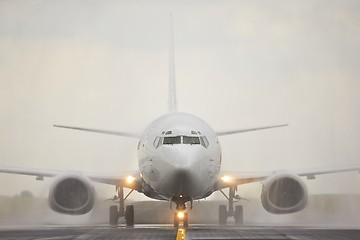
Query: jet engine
[(284, 193), (72, 194)]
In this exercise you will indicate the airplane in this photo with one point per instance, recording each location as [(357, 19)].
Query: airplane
[(180, 159)]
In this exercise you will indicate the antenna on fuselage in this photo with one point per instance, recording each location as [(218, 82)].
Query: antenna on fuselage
[(172, 86)]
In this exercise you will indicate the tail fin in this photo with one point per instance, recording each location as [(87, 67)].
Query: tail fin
[(172, 86)]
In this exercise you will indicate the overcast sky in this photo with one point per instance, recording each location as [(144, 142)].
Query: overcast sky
[(104, 64)]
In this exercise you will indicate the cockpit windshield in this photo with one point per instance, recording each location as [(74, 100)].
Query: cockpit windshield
[(172, 137), (181, 140), (172, 140), (191, 140)]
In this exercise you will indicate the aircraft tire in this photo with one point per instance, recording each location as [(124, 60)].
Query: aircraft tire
[(129, 215), (186, 220), (113, 215), (239, 215), (176, 220), (222, 215)]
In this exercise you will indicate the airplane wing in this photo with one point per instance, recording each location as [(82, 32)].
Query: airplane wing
[(109, 132), (235, 131), (124, 179), (227, 179)]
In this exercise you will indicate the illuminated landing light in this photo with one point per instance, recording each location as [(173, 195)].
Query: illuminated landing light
[(130, 179), (226, 179), (180, 215)]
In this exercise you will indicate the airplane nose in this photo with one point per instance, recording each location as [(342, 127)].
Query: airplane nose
[(185, 164), (183, 159)]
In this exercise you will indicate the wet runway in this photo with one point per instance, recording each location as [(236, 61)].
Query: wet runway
[(198, 232)]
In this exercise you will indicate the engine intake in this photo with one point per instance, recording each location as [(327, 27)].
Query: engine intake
[(72, 194), (284, 193)]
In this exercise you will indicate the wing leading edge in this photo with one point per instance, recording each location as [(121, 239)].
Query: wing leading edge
[(243, 130), (109, 132), (117, 179), (227, 179)]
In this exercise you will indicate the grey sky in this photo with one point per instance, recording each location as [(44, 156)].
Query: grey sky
[(104, 64)]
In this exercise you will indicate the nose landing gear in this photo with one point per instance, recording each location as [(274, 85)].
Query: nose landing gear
[(181, 216)]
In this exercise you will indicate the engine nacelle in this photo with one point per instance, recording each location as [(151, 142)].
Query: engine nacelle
[(284, 193), (72, 194)]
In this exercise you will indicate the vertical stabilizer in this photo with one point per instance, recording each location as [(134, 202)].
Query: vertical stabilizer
[(172, 86)]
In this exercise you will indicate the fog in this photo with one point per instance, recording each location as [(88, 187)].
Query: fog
[(104, 64), (324, 210)]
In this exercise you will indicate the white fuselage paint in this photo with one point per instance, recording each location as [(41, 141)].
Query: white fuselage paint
[(189, 170)]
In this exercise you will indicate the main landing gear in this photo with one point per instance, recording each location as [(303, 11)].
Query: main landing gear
[(237, 213), (116, 212), (181, 216)]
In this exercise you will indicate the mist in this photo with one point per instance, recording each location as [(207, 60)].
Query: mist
[(323, 210), (238, 64)]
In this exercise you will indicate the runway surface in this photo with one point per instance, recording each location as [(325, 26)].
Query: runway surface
[(198, 232)]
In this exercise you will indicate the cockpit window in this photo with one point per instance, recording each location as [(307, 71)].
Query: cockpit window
[(204, 142), (181, 139), (156, 142), (191, 140), (172, 140)]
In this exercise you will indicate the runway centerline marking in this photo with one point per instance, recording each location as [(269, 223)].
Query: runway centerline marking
[(59, 237), (181, 234)]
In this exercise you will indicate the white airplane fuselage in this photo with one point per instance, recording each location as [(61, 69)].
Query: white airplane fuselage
[(179, 156)]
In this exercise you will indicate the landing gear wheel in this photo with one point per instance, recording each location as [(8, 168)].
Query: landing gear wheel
[(222, 215), (176, 220), (129, 215), (114, 215), (186, 221), (238, 215)]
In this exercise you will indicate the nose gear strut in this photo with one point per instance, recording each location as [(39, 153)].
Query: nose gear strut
[(181, 215)]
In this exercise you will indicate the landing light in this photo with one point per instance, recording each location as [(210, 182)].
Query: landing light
[(180, 215), (130, 179), (226, 179)]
